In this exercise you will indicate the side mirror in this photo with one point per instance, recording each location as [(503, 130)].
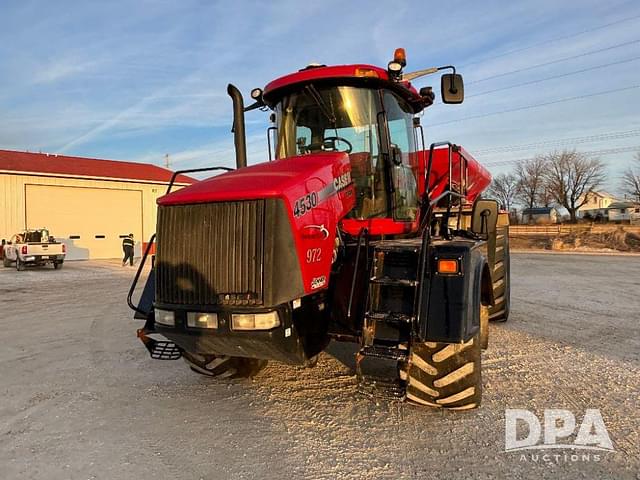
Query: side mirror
[(452, 88), (484, 217)]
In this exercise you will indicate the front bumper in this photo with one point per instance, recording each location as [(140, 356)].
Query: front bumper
[(281, 343)]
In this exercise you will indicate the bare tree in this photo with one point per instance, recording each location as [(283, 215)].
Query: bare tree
[(503, 188), (571, 176), (631, 180), (531, 180), (545, 197)]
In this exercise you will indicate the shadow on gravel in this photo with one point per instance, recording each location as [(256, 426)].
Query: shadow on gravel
[(345, 353)]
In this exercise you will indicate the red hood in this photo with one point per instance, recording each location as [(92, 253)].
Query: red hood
[(316, 191), (265, 180)]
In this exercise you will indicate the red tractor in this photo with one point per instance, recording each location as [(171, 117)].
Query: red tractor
[(353, 232)]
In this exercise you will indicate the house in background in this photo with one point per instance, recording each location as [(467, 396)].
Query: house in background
[(540, 216), (596, 206), (624, 212)]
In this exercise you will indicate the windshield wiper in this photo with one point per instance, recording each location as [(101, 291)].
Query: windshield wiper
[(323, 106)]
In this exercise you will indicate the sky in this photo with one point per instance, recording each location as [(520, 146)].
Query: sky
[(135, 80)]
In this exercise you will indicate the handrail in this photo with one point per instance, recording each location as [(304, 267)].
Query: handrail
[(427, 192), (424, 260), (362, 233), (448, 193), (193, 170), (269, 130), (137, 277)]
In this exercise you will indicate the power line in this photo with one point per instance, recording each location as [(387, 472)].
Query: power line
[(608, 151), (552, 40), (560, 142), (536, 105), (553, 62), (575, 72)]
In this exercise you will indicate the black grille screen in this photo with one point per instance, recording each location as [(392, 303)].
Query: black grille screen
[(211, 253)]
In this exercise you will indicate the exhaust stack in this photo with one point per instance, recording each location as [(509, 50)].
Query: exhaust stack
[(239, 137)]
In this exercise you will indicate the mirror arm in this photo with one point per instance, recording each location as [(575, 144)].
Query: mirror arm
[(452, 88), (254, 106), (426, 71)]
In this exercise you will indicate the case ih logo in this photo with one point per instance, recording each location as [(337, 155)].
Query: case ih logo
[(553, 432), (318, 282), (342, 181)]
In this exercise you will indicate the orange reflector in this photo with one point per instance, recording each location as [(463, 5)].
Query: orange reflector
[(366, 72), (400, 56), (447, 266)]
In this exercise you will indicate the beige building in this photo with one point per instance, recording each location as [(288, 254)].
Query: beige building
[(88, 204)]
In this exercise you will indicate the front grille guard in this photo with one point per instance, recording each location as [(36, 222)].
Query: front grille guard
[(132, 289), (132, 306)]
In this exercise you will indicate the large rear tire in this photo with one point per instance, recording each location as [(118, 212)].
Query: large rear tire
[(219, 366), (57, 265), (499, 312), (444, 375), (19, 265)]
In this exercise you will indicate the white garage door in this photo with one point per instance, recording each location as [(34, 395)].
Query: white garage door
[(91, 221)]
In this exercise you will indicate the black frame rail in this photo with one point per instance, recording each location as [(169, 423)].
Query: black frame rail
[(193, 170)]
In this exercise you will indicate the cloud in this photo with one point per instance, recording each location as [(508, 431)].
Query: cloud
[(141, 79)]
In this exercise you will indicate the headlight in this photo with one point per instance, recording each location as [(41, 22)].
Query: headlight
[(164, 317), (202, 320), (255, 321)]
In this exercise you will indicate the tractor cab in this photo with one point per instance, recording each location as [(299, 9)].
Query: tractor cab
[(357, 110), (373, 126)]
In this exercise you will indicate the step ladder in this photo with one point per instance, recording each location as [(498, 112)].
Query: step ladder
[(389, 317)]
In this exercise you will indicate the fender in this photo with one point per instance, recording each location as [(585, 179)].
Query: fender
[(486, 285), (450, 310)]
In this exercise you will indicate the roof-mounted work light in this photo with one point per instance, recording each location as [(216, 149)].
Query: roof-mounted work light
[(395, 70), (256, 94)]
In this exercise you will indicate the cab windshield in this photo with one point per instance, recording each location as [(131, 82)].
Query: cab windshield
[(350, 119)]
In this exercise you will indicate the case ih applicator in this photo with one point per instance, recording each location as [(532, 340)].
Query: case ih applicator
[(355, 231)]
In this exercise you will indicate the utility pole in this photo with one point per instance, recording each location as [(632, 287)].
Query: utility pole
[(166, 161)]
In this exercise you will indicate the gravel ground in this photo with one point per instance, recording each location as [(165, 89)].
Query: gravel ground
[(82, 400)]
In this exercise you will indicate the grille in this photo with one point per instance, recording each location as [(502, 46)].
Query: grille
[(211, 253)]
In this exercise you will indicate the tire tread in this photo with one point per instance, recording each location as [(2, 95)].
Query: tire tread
[(453, 379)]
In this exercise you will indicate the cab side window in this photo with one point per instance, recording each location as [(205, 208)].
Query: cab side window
[(401, 135)]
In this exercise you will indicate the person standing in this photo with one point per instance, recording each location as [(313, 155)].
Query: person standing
[(127, 248)]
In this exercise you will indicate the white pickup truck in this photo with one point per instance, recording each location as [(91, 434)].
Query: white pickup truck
[(33, 247)]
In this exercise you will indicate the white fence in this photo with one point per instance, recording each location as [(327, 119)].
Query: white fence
[(554, 230)]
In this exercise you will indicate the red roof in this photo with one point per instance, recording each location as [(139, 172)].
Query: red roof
[(53, 164)]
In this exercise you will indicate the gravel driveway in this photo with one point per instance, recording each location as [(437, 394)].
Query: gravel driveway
[(81, 399)]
